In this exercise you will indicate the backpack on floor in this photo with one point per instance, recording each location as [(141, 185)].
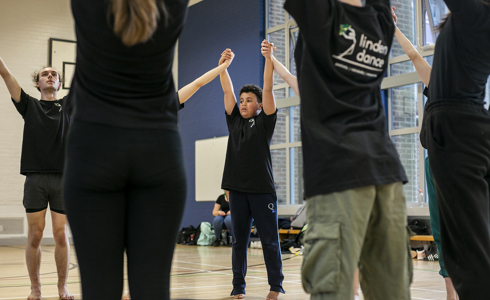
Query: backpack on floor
[(206, 237), (184, 236), (195, 236), (419, 227)]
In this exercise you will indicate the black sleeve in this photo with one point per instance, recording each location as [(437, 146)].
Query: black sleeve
[(426, 92), (218, 201), (468, 11), (269, 121), (235, 113), (310, 14), (21, 106), (181, 105)]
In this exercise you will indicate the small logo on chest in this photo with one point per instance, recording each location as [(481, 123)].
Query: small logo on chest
[(59, 105), (252, 121)]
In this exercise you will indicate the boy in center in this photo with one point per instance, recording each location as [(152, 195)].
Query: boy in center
[(248, 177)]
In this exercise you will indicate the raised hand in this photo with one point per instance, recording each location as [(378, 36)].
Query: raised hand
[(226, 57), (267, 49), (393, 14)]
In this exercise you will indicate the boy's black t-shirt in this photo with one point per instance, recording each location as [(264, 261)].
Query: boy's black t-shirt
[(461, 63), (248, 165), (224, 205), (45, 127), (341, 56), (124, 86)]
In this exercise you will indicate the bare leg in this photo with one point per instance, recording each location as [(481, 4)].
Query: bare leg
[(61, 253), (35, 223), (126, 296), (272, 295), (356, 285), (451, 291)]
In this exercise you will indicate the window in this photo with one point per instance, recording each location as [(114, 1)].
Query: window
[(433, 12), (286, 151), (417, 20)]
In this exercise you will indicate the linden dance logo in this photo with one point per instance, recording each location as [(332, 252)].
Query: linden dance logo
[(365, 58)]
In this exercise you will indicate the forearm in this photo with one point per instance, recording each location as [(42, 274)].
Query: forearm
[(421, 66), (407, 46), (284, 73), (268, 76), (10, 81), (269, 103), (4, 71), (215, 213), (187, 91), (210, 75), (226, 84)]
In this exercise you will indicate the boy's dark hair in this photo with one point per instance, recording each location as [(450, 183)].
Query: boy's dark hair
[(35, 76), (252, 88)]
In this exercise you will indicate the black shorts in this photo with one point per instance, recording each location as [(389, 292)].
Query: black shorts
[(41, 189)]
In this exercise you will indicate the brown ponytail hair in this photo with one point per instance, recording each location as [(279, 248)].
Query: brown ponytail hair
[(135, 21), (443, 22)]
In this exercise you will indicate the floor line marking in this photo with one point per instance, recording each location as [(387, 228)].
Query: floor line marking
[(226, 267), (216, 272)]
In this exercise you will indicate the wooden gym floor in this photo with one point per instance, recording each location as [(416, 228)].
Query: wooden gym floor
[(198, 272)]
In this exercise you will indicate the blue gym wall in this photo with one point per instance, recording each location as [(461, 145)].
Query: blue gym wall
[(211, 27)]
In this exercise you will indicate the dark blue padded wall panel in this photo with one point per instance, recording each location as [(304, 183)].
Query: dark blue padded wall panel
[(211, 27)]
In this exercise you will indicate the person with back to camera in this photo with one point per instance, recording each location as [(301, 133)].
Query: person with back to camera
[(124, 178), (292, 81), (186, 92), (353, 176), (423, 70), (456, 133)]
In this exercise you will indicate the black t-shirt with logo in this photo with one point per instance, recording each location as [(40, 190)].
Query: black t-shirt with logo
[(224, 205), (45, 128), (248, 164), (341, 56)]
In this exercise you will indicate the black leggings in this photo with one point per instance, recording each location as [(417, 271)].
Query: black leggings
[(457, 136), (124, 189)]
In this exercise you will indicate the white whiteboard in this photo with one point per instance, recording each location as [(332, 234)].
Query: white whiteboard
[(210, 163)]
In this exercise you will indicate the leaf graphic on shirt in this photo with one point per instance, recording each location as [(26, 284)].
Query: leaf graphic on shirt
[(57, 104), (343, 28)]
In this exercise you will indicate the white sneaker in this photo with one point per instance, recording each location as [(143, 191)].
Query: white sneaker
[(420, 254)]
